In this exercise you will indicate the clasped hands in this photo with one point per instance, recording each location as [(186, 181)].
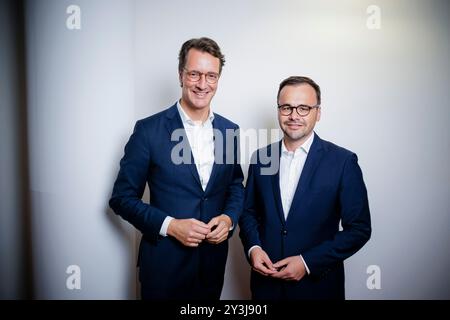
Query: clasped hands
[(191, 232), (290, 268)]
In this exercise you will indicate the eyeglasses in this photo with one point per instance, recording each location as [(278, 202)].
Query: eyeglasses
[(302, 109), (193, 75)]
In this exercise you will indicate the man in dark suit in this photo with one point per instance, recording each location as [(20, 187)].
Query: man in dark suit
[(189, 160), (290, 224)]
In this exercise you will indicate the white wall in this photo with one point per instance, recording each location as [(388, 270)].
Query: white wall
[(385, 96), (81, 110)]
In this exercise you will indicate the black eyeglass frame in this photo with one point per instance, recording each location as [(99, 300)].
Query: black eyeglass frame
[(305, 109)]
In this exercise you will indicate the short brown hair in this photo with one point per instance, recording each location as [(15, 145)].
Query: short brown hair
[(298, 80), (204, 45)]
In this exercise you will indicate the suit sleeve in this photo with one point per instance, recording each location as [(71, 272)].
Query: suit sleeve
[(130, 184), (235, 189), (249, 222), (355, 219)]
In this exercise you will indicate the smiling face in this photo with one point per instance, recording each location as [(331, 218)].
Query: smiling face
[(197, 95), (296, 128)]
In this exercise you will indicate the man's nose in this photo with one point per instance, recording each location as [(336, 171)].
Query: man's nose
[(201, 83), (294, 115)]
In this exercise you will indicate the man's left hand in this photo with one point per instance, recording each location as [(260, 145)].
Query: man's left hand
[(220, 227), (290, 268)]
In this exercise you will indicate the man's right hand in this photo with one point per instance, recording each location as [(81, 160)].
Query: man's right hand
[(190, 232), (261, 262)]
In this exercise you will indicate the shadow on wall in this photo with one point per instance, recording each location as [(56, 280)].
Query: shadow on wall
[(237, 276), (127, 233), (129, 238), (16, 272)]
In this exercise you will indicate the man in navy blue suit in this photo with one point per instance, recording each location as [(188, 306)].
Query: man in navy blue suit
[(290, 224), (188, 158)]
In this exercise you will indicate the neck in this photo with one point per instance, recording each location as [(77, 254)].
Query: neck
[(195, 114), (292, 145)]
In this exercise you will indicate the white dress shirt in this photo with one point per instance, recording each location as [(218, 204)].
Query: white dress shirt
[(291, 167), (201, 141)]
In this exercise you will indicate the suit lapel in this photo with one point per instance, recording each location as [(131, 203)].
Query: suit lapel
[(219, 145), (174, 123), (312, 161), (276, 187)]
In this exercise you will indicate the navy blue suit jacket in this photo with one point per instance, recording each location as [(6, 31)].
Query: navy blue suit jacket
[(169, 270), (331, 189)]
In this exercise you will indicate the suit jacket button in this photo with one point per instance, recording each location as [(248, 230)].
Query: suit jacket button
[(284, 232)]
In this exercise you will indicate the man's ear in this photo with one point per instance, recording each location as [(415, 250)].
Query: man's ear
[(181, 79), (318, 114)]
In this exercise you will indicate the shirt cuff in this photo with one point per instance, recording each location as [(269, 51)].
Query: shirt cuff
[(250, 250), (165, 226), (306, 266), (232, 225)]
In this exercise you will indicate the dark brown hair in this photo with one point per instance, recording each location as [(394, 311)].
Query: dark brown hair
[(297, 80), (204, 45)]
